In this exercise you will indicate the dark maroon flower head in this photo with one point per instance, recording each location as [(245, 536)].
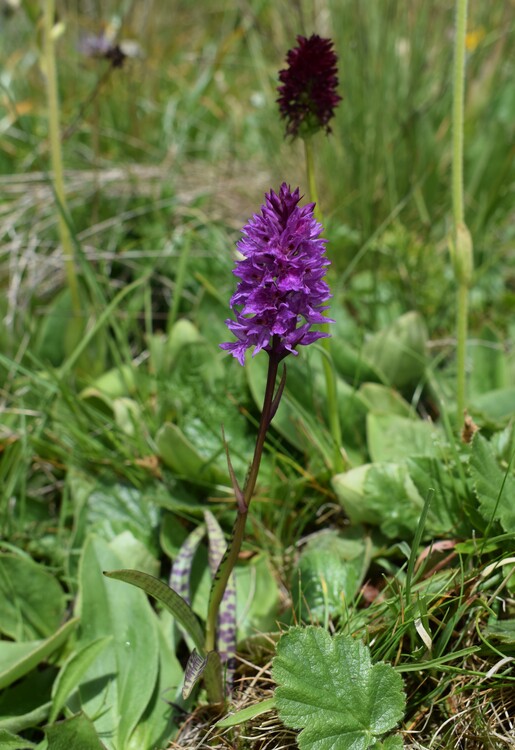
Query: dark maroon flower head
[(307, 94), (281, 293)]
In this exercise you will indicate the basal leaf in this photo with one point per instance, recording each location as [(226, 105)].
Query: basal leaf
[(32, 600), (18, 659), (495, 487), (394, 438), (72, 672), (116, 689), (329, 688), (77, 732), (9, 741), (327, 576)]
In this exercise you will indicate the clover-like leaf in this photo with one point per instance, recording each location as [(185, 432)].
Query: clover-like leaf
[(328, 687)]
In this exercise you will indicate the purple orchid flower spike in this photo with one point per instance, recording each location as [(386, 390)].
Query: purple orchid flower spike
[(281, 293)]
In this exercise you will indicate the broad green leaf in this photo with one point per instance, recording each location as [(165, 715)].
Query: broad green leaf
[(451, 498), (33, 602), (175, 604), (329, 688), (503, 631), (383, 495), (496, 407), (246, 714), (383, 400), (488, 366), (257, 597), (9, 741), (394, 438), (77, 732), (495, 487), (72, 672), (27, 703), (115, 689), (110, 508), (180, 455), (17, 659), (399, 351), (157, 725), (327, 576)]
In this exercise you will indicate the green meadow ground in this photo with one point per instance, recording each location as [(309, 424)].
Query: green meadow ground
[(110, 438)]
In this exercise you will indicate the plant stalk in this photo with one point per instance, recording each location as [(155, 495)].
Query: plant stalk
[(56, 153), (458, 202), (233, 549), (327, 362)]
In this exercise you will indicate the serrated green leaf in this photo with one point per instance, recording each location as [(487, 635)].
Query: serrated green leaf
[(167, 596), (329, 688), (72, 672), (495, 487), (77, 732), (9, 741)]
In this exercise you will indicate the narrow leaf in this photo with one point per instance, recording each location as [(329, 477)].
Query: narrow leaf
[(174, 603), (72, 672), (246, 714), (17, 659), (9, 741), (181, 569), (194, 669)]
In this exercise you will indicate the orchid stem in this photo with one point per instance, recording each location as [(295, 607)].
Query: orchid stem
[(327, 362), (233, 549)]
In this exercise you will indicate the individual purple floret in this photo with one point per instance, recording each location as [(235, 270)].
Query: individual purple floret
[(282, 292), (307, 94)]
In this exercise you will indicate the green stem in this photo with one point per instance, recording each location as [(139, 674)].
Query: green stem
[(233, 550), (457, 199), (55, 150), (327, 362), (310, 173)]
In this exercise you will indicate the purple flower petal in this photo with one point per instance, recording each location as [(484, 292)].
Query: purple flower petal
[(281, 292)]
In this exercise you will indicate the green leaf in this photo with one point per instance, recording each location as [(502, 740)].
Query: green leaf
[(77, 732), (383, 400), (503, 631), (488, 367), (33, 602), (115, 689), (496, 407), (399, 350), (327, 576), (495, 487), (182, 457), (381, 494), (167, 596), (17, 659), (72, 672), (27, 703), (9, 741), (394, 438), (329, 688), (246, 714), (157, 725)]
